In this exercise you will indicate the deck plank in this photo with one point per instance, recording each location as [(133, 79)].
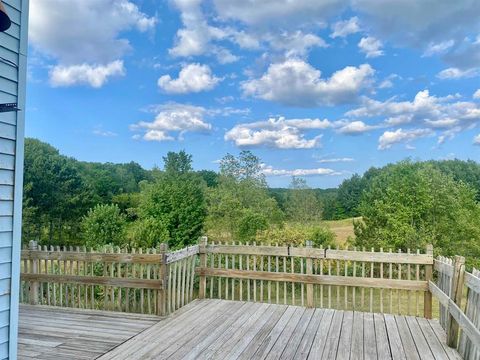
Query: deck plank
[(222, 329)]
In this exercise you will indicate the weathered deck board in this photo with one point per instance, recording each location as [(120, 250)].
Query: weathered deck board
[(55, 333), (221, 329)]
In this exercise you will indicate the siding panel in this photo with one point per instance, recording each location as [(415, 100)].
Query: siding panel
[(5, 271), (5, 239), (5, 255), (6, 192), (7, 146), (6, 177), (7, 131), (6, 208)]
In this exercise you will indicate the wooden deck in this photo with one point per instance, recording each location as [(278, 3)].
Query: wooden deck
[(62, 333), (220, 329)]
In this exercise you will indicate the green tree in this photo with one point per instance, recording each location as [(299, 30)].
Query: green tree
[(240, 204), (175, 201), (409, 205), (104, 224), (349, 195), (302, 204)]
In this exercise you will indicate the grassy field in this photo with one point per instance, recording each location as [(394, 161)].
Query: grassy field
[(342, 228)]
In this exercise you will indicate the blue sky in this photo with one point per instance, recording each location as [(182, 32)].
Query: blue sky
[(321, 89)]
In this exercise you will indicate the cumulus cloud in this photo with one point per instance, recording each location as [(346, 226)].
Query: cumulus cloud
[(447, 113), (296, 83), (192, 78), (92, 75), (371, 47), (456, 73), (476, 94), (268, 170), (389, 138), (278, 133), (295, 43), (197, 37), (346, 27), (173, 121), (75, 32), (355, 128), (438, 48)]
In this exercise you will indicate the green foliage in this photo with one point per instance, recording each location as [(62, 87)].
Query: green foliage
[(104, 224), (240, 204), (302, 204), (249, 224), (177, 163), (148, 232), (349, 195), (176, 200), (409, 205), (297, 235)]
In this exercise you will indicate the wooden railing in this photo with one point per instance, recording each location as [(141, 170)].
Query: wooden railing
[(459, 314), (317, 277), (152, 281)]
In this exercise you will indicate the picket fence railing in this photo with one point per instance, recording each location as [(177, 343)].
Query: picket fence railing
[(459, 314), (151, 281)]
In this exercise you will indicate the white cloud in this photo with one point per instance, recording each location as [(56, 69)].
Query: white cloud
[(389, 138), (197, 36), (173, 119), (371, 47), (476, 94), (438, 48), (355, 128), (192, 78), (295, 43), (335, 160), (278, 133), (456, 73), (76, 32), (284, 12), (271, 171), (92, 75), (447, 113), (388, 81), (476, 140), (296, 83), (344, 28)]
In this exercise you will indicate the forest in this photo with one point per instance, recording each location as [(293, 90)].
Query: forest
[(404, 205)]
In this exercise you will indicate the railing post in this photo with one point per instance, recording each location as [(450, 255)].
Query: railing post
[(427, 295), (163, 275), (456, 294), (309, 264), (202, 250), (32, 245)]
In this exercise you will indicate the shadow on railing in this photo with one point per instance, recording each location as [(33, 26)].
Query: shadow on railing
[(459, 314)]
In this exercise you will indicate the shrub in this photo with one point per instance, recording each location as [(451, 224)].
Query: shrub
[(104, 224)]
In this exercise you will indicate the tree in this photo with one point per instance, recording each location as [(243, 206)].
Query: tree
[(240, 205), (409, 205), (175, 201), (55, 194), (349, 195), (104, 224), (302, 204), (177, 163)]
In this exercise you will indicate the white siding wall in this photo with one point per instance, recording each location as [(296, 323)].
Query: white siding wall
[(13, 47)]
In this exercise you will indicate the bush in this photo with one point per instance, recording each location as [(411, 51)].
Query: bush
[(297, 236), (104, 224), (249, 224), (147, 233)]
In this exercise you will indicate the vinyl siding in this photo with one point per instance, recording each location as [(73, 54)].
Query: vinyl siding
[(13, 48)]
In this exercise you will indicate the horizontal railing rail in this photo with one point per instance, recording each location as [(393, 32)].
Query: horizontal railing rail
[(323, 277)]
